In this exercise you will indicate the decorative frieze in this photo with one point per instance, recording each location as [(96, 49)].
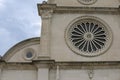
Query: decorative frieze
[(46, 14), (51, 64), (88, 65), (70, 9), (46, 10)]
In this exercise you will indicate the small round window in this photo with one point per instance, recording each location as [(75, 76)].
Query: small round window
[(29, 54), (88, 37)]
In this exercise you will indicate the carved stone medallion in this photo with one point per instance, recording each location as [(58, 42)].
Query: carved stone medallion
[(87, 2)]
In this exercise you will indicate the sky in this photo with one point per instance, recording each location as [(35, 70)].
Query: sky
[(19, 20)]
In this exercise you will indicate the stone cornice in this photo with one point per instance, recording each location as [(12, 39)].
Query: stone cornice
[(99, 10), (78, 65), (44, 63), (2, 64), (51, 64), (66, 9), (18, 66), (46, 10), (87, 65)]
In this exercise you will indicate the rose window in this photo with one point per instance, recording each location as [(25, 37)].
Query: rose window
[(88, 37)]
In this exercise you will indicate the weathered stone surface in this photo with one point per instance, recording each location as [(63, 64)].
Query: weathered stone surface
[(49, 57)]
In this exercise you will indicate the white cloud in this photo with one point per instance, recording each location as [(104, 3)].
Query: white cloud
[(18, 21), (2, 4), (6, 40), (4, 32), (37, 27)]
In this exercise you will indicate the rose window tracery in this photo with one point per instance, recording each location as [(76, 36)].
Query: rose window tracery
[(88, 37)]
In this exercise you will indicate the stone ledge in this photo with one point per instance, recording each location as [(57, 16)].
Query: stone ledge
[(51, 64), (63, 9)]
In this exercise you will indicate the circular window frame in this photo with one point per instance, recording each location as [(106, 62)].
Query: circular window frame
[(87, 3), (27, 51), (97, 53)]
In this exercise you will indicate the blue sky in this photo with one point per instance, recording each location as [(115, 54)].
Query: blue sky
[(19, 20)]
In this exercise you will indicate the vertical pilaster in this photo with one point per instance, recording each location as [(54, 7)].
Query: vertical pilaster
[(0, 73), (58, 73), (45, 12), (1, 68), (43, 69), (43, 74), (45, 36)]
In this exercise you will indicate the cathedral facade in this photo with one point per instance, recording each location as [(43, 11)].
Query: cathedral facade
[(79, 41)]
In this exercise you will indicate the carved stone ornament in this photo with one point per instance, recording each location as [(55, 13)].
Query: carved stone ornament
[(88, 36), (87, 2), (46, 13)]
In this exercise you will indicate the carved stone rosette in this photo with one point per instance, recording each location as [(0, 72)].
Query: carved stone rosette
[(87, 2)]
